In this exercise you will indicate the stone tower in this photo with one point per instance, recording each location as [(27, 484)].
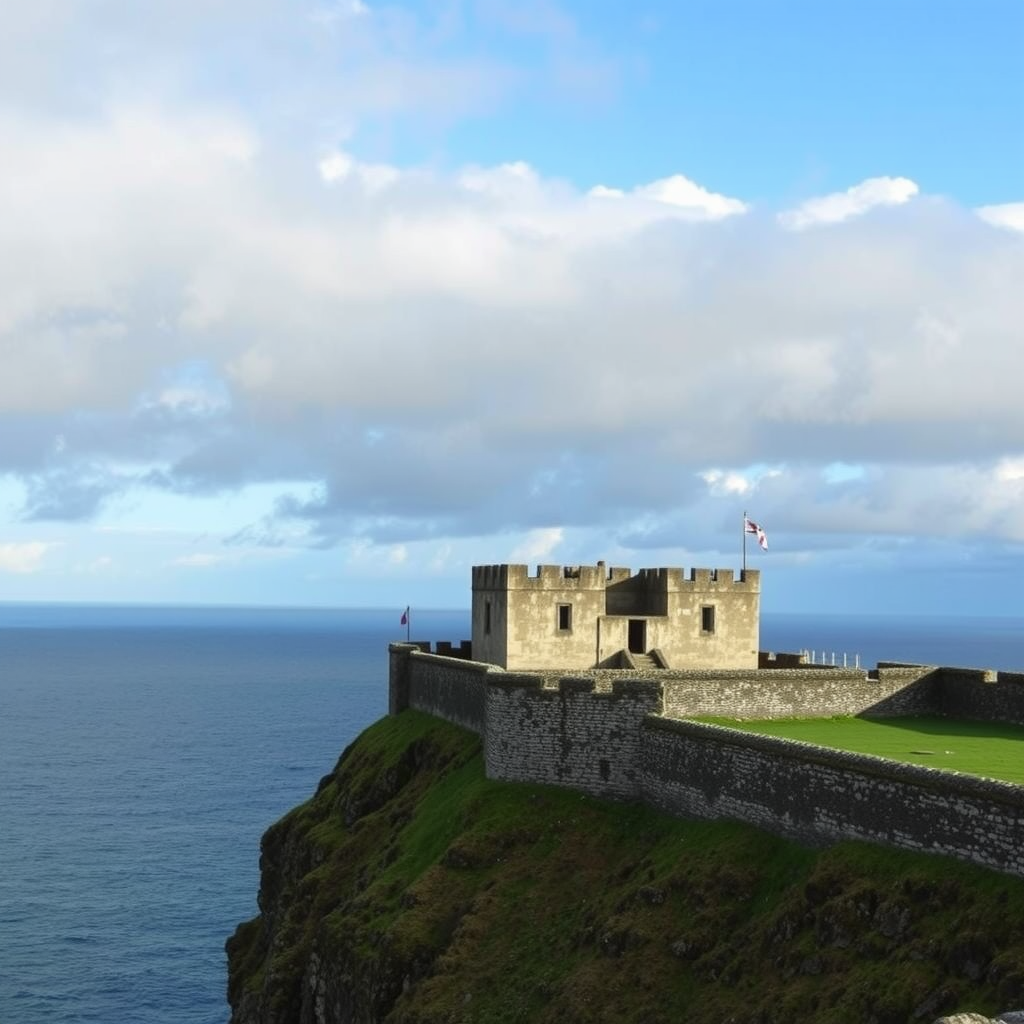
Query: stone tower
[(566, 617)]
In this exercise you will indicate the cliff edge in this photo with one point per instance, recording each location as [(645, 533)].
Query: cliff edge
[(411, 890)]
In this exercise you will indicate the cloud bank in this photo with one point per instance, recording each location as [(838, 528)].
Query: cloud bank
[(484, 350), (198, 299)]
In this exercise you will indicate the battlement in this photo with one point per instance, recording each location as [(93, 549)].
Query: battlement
[(546, 577), (595, 577), (597, 685)]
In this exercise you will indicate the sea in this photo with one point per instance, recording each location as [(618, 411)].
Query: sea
[(144, 750)]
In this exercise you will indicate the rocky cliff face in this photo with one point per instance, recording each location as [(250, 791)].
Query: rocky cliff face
[(411, 890)]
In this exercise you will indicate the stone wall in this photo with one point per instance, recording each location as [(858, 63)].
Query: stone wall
[(818, 796), (623, 735), (450, 688), (735, 601), (573, 733), (983, 696), (800, 693)]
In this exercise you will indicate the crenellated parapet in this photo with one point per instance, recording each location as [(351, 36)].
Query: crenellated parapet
[(596, 685), (590, 577), (543, 577), (748, 580)]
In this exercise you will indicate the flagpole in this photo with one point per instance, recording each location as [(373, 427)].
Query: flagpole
[(408, 623), (744, 541)]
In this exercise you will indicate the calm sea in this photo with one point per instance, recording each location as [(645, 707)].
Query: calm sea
[(143, 751)]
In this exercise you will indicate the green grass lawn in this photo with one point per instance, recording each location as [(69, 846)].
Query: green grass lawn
[(990, 749)]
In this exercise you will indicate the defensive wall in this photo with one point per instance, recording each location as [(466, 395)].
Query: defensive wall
[(625, 735)]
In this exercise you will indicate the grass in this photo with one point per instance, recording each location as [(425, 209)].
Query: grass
[(987, 749), (432, 895)]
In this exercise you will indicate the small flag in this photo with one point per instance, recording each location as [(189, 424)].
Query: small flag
[(751, 527), (405, 617)]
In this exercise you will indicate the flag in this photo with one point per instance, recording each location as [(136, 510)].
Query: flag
[(751, 527), (405, 617)]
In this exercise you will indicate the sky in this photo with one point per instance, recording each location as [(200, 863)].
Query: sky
[(320, 304)]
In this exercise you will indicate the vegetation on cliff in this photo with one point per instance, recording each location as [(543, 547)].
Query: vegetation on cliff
[(412, 890)]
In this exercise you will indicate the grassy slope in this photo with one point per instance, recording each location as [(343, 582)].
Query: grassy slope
[(509, 903), (990, 749)]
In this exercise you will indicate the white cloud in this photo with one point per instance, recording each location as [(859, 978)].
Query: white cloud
[(1010, 470), (854, 202), (1005, 215), (685, 196), (515, 181), (23, 558), (539, 544), (480, 352), (340, 166), (680, 191), (722, 483)]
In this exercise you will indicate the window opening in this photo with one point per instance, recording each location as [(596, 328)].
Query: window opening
[(707, 618), (564, 618)]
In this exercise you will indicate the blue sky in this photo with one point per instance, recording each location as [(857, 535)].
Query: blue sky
[(323, 303)]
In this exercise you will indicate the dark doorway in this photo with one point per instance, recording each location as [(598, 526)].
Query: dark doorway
[(637, 636)]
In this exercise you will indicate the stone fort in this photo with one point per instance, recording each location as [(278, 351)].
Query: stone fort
[(590, 677), (583, 616)]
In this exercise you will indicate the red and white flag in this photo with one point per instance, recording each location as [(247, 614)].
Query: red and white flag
[(751, 527), (405, 617)]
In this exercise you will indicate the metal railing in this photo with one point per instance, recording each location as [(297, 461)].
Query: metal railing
[(830, 658)]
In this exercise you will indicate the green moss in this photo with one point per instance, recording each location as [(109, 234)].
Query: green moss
[(442, 896)]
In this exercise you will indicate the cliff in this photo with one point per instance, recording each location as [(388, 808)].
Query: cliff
[(412, 890)]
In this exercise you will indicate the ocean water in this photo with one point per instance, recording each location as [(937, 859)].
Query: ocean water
[(142, 754), (143, 751)]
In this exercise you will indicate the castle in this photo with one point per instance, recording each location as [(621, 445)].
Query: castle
[(590, 678), (582, 616)]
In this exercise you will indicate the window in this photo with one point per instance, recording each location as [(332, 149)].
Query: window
[(564, 618), (487, 617), (707, 618)]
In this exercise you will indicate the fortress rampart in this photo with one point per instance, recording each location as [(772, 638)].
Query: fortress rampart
[(814, 794), (800, 693), (624, 735)]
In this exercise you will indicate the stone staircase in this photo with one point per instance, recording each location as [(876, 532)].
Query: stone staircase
[(644, 661)]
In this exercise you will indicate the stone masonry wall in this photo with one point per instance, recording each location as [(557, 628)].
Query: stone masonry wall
[(986, 696), (818, 796), (449, 688), (611, 734), (800, 693), (569, 734)]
